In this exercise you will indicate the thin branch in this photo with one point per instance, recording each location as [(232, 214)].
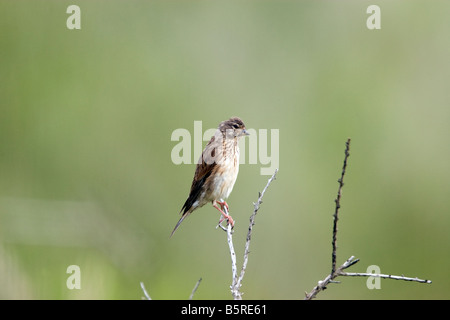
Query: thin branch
[(236, 294), (322, 284), (250, 229), (338, 206), (237, 282), (385, 276), (195, 289), (147, 296)]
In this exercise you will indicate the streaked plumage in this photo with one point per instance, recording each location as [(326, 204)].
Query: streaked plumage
[(216, 170)]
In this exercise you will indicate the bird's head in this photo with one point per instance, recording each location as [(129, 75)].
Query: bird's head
[(233, 128)]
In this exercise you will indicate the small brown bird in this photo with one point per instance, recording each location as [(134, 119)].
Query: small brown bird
[(216, 170)]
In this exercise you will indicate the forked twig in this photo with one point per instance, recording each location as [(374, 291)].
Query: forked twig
[(237, 281), (322, 284)]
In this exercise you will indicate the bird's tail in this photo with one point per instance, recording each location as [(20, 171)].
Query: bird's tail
[(178, 224), (186, 209)]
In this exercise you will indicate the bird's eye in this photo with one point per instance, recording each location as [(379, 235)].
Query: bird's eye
[(235, 126)]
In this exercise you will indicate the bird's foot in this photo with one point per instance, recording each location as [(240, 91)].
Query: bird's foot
[(224, 216), (223, 204)]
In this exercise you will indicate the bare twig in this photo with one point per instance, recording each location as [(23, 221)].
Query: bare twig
[(385, 276), (250, 229), (147, 296), (338, 206), (229, 230), (237, 281), (322, 284), (195, 289)]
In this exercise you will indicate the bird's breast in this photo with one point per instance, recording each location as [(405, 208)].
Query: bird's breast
[(226, 175)]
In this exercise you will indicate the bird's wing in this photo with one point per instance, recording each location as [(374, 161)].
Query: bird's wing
[(202, 172)]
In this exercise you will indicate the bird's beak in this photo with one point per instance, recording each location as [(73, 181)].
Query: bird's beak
[(245, 133)]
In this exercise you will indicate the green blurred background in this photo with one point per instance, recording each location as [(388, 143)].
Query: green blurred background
[(86, 118)]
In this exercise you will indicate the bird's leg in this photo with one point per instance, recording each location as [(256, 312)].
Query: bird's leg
[(225, 216), (223, 204)]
